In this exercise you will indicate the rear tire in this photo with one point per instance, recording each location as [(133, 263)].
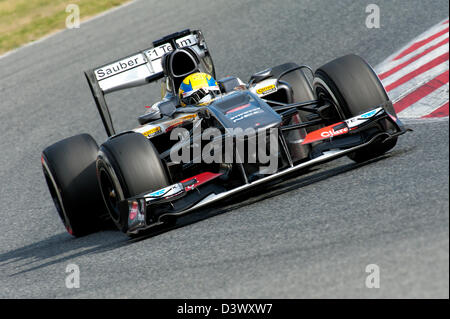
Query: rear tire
[(69, 170), (353, 87), (128, 165)]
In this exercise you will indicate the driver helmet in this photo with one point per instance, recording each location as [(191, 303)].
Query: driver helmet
[(198, 89)]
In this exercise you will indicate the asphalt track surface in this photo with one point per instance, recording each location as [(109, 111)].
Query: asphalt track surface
[(311, 236)]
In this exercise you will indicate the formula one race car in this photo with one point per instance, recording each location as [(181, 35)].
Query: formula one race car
[(138, 179)]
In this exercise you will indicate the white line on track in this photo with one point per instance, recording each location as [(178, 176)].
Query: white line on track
[(417, 64), (390, 63), (408, 87), (427, 104)]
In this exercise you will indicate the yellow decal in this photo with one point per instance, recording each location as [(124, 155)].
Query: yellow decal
[(266, 90), (180, 121), (188, 117), (152, 131)]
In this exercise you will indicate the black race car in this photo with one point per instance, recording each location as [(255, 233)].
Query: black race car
[(138, 179)]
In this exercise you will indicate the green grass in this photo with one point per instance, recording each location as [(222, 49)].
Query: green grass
[(23, 21)]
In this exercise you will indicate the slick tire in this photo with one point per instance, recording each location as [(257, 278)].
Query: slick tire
[(353, 87), (69, 170), (128, 165)]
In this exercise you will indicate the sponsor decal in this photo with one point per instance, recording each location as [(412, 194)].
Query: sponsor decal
[(119, 67), (154, 55), (159, 193), (158, 52), (152, 131), (186, 41), (326, 132), (134, 210), (238, 108), (178, 188), (246, 114), (332, 132), (353, 122), (167, 192), (368, 114), (266, 90)]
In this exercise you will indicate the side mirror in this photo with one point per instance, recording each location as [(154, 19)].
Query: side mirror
[(153, 114), (260, 76)]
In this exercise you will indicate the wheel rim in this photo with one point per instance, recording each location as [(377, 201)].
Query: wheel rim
[(324, 92)]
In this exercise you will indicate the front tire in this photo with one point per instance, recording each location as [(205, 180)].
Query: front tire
[(353, 87), (128, 165)]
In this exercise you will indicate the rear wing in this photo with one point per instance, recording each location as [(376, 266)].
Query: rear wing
[(142, 68)]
